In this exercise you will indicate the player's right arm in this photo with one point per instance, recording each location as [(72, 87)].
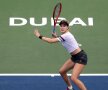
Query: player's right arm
[(46, 39)]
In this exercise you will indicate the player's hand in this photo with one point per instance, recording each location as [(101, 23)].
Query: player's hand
[(36, 33), (54, 34)]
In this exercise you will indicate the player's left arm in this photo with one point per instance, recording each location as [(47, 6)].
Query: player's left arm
[(46, 39)]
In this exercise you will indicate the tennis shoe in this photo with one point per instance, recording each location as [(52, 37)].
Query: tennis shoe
[(70, 89)]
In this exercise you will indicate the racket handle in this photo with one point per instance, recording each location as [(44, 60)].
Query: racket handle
[(53, 31)]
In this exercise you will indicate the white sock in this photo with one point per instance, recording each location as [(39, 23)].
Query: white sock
[(70, 87)]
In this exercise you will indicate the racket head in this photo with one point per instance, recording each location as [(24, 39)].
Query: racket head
[(56, 13)]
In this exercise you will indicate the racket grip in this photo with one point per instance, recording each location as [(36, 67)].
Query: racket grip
[(53, 31), (54, 34)]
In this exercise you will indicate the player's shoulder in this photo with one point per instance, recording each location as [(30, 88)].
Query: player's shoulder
[(66, 35)]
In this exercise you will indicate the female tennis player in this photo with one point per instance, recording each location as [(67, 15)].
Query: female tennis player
[(78, 58)]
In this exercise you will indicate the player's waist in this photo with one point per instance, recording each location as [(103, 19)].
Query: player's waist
[(76, 51)]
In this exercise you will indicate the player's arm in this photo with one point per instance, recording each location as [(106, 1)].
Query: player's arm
[(46, 39), (54, 35)]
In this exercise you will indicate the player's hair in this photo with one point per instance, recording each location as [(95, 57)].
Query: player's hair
[(64, 22)]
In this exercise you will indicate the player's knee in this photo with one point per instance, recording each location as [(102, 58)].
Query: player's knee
[(61, 71), (73, 78)]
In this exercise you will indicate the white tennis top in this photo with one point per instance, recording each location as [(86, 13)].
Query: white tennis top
[(68, 41)]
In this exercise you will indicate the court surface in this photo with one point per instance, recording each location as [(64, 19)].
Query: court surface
[(22, 52), (49, 82)]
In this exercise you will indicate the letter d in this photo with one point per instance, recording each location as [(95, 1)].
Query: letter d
[(16, 21)]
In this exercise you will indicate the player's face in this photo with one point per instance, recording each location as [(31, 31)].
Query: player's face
[(63, 28)]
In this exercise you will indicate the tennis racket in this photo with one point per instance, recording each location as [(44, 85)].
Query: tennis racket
[(56, 14)]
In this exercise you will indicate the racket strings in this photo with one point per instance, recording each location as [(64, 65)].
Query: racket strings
[(57, 10)]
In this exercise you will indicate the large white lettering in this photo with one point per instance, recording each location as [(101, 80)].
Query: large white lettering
[(19, 21), (32, 22), (14, 21)]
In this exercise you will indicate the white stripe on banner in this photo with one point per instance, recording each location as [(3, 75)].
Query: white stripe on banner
[(52, 75)]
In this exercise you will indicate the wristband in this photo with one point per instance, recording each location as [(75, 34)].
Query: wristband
[(40, 37)]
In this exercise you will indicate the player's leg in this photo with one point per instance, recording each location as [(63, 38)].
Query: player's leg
[(64, 69), (78, 68)]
